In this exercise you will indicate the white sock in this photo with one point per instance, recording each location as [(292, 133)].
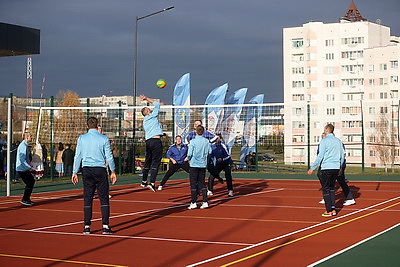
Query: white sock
[(105, 226)]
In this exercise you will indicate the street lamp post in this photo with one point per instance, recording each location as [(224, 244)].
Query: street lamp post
[(135, 79), (136, 45)]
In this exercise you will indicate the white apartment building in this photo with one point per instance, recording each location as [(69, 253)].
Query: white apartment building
[(345, 73)]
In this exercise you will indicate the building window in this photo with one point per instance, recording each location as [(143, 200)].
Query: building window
[(371, 110), (394, 64), (329, 56), (371, 82), (330, 97), (372, 153), (371, 95), (329, 70), (351, 124), (298, 124), (383, 66), (383, 81), (297, 42), (297, 57), (298, 84), (353, 54), (299, 70), (297, 111), (298, 138), (329, 42), (372, 124), (330, 84), (330, 111), (383, 95), (350, 97), (298, 97), (371, 67), (383, 110), (394, 79), (352, 40)]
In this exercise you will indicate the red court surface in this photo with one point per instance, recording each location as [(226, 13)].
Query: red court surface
[(267, 222)]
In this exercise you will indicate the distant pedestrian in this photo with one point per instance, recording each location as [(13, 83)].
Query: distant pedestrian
[(199, 150), (25, 170), (58, 160), (153, 133), (177, 154), (330, 157), (93, 152), (68, 159)]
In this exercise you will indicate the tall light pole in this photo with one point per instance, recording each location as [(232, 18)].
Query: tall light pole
[(134, 79), (136, 45)]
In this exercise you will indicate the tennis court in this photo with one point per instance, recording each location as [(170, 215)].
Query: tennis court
[(267, 222)]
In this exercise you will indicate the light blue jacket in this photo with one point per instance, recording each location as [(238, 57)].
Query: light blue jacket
[(331, 153), (199, 149), (151, 124), (93, 150), (23, 161)]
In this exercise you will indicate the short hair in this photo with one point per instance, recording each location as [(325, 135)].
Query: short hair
[(330, 127), (199, 130), (143, 109), (92, 123)]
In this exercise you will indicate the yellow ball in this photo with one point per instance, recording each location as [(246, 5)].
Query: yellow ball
[(161, 83)]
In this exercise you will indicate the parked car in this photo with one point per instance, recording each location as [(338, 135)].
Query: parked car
[(265, 158)]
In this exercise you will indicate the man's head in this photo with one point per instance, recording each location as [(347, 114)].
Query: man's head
[(92, 123), (178, 139), (199, 130), (219, 138), (197, 123), (27, 137), (146, 111), (329, 128)]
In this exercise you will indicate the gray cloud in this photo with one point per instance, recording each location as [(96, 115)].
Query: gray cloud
[(87, 46)]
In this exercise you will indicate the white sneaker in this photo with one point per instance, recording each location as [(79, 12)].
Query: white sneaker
[(192, 206), (204, 205), (349, 202), (209, 193), (230, 193), (322, 202), (159, 188)]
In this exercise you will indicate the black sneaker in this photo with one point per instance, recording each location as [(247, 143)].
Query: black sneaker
[(107, 231), (152, 187), (143, 184), (27, 202), (86, 230)]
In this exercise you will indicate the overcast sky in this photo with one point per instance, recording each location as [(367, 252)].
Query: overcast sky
[(87, 45)]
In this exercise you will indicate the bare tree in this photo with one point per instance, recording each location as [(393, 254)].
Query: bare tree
[(384, 140)]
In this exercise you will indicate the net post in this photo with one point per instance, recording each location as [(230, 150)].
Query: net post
[(9, 143), (51, 139), (119, 138)]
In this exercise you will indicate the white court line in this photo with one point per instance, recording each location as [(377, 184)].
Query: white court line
[(130, 237), (352, 246), (140, 212), (289, 234)]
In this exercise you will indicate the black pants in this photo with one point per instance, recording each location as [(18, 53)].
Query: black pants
[(327, 179), (228, 176), (95, 178), (197, 181), (173, 168), (29, 181), (153, 159)]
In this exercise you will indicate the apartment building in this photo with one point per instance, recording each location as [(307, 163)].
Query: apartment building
[(344, 73)]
